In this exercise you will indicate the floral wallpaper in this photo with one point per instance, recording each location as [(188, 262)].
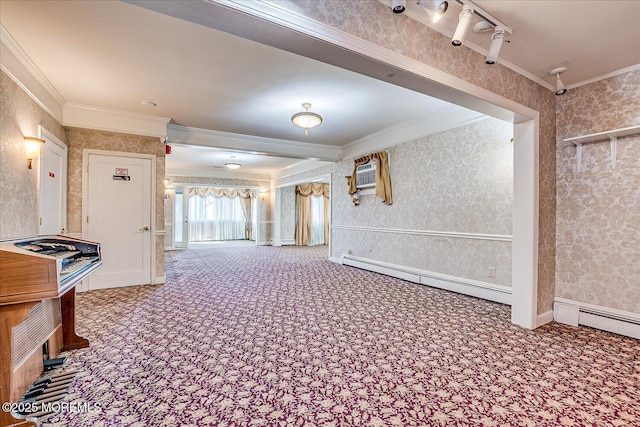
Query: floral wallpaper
[(598, 220), (80, 139), (372, 21), (20, 116), (457, 181)]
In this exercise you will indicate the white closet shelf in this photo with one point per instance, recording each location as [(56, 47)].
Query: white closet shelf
[(611, 135)]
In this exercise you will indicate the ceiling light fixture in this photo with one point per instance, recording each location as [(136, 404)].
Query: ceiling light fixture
[(306, 119), (560, 87), (464, 22), (438, 8), (233, 163), (494, 48)]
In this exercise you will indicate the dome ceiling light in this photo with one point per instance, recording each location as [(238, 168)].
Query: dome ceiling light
[(233, 163), (306, 119)]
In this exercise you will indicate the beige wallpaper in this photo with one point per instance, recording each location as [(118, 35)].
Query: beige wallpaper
[(598, 221), (370, 20), (80, 139), (20, 116)]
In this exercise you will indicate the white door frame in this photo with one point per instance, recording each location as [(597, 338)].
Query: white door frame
[(524, 309), (50, 138), (152, 221), (180, 222), (276, 238), (256, 235)]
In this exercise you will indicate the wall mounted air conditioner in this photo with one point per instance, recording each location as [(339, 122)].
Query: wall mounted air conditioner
[(366, 175)]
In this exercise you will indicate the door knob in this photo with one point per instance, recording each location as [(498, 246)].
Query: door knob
[(145, 228)]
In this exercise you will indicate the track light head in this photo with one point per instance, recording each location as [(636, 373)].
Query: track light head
[(464, 22), (496, 43), (560, 87), (398, 6), (435, 9), (440, 10)]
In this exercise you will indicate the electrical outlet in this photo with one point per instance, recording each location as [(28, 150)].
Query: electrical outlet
[(350, 252), (491, 274)]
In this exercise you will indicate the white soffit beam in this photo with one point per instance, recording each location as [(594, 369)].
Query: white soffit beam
[(84, 116), (252, 144)]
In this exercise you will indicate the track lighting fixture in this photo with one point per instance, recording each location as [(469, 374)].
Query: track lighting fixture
[(494, 48), (560, 87), (398, 6), (487, 24), (464, 22), (437, 9)]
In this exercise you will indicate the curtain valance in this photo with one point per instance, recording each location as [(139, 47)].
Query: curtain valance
[(383, 179), (221, 192), (315, 188), (244, 195)]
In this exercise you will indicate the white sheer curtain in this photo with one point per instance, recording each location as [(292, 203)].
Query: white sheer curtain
[(317, 220), (215, 218)]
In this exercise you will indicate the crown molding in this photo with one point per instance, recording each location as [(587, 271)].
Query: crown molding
[(90, 117), (298, 168), (21, 69), (252, 144), (216, 172), (604, 76), (442, 120)]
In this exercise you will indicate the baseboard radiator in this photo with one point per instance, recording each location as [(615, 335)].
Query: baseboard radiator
[(475, 288), (576, 313)]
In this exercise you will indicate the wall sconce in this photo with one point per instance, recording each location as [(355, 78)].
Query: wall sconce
[(168, 188), (263, 193), (33, 147)]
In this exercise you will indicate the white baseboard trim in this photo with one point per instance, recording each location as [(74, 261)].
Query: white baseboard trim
[(290, 242), (160, 280), (335, 259), (576, 313), (265, 243), (544, 318), (488, 291)]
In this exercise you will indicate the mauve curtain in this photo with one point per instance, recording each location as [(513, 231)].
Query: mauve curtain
[(304, 226), (383, 179)]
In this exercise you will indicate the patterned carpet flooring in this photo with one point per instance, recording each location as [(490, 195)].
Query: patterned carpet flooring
[(263, 336)]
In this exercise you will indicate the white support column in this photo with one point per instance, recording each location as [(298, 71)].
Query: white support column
[(524, 307)]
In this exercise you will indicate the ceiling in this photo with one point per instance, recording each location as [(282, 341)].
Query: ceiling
[(114, 55)]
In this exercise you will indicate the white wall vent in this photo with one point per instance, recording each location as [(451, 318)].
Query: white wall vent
[(366, 175)]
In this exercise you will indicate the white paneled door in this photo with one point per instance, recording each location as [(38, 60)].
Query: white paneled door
[(53, 171), (118, 216)]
